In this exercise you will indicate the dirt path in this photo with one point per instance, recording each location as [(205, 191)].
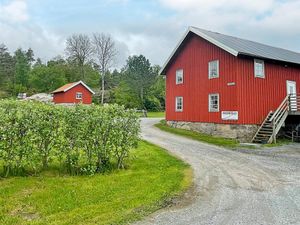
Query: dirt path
[(233, 187)]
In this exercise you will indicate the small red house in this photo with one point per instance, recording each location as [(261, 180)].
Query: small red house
[(232, 87), (77, 92)]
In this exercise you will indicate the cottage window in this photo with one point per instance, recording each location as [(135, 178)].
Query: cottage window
[(179, 104), (213, 69), (179, 76), (259, 68), (213, 103), (78, 95)]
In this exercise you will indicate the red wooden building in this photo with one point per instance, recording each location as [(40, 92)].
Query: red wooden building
[(223, 85), (77, 92)]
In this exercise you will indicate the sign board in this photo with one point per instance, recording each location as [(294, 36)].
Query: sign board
[(230, 115)]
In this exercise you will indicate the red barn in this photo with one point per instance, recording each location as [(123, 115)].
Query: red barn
[(231, 87), (77, 92)]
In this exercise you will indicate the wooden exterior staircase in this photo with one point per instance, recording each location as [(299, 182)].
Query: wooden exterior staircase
[(275, 120)]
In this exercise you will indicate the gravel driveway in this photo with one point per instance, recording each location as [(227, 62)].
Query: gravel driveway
[(232, 187)]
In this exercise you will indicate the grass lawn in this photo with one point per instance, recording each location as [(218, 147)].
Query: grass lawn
[(223, 142), (219, 141), (156, 114), (152, 179)]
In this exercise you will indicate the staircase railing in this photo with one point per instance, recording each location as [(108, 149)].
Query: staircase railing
[(279, 116)]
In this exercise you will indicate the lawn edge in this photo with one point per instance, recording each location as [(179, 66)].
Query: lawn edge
[(173, 199)]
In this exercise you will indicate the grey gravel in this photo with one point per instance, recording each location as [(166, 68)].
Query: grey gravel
[(232, 187)]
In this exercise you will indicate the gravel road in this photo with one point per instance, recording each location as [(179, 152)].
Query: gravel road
[(232, 187)]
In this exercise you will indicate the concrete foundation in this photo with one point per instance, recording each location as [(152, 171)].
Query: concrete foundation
[(243, 133)]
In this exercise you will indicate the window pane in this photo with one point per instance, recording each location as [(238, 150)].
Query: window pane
[(214, 69)]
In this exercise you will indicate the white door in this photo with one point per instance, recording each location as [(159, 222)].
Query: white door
[(291, 90)]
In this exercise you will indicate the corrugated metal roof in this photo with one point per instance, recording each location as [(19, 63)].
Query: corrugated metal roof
[(238, 46), (246, 47)]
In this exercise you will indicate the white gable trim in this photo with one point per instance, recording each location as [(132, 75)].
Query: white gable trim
[(202, 35), (79, 82)]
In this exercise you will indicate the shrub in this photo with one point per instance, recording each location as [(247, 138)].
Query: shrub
[(84, 139)]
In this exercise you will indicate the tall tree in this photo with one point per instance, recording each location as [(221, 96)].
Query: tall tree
[(140, 76), (7, 65), (23, 66), (79, 48), (105, 52)]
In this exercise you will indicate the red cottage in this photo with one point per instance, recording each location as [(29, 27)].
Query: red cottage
[(231, 87), (77, 92)]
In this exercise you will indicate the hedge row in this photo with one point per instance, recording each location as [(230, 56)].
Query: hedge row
[(81, 139)]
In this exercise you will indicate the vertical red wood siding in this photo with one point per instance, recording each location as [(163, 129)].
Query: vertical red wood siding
[(70, 96), (252, 97), (258, 96), (196, 87)]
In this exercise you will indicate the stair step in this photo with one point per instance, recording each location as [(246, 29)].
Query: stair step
[(265, 132), (267, 129)]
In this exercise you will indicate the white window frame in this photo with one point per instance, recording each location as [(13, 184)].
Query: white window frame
[(211, 109), (176, 104), (179, 74), (210, 67), (79, 94), (260, 62)]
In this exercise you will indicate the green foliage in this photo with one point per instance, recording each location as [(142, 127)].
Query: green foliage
[(140, 85), (46, 79), (23, 64), (84, 139), (152, 179)]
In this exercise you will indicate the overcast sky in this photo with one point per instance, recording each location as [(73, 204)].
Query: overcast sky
[(148, 27)]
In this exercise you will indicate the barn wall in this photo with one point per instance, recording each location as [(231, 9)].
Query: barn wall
[(70, 96), (193, 59), (258, 96)]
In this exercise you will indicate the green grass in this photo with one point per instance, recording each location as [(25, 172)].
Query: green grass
[(279, 142), (152, 179), (156, 114), (223, 142)]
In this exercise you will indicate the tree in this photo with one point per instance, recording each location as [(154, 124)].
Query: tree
[(7, 65), (79, 48), (45, 79), (105, 53), (23, 65), (140, 76)]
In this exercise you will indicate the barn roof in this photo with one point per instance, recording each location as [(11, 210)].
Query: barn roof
[(238, 46), (67, 87)]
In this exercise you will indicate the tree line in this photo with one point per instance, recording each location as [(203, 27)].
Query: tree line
[(90, 59)]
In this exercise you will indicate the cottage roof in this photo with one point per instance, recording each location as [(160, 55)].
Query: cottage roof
[(238, 46), (69, 86)]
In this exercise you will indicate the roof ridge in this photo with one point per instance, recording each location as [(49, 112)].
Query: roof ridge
[(245, 39)]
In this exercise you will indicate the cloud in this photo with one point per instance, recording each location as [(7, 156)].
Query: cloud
[(270, 21), (14, 11), (17, 31), (151, 28)]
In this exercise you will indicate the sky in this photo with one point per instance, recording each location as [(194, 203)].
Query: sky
[(148, 27)]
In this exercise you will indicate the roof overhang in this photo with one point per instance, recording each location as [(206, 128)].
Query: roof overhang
[(74, 85), (200, 34)]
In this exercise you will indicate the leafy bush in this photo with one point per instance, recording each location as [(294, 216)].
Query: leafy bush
[(84, 139)]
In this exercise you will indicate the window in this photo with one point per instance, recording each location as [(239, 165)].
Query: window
[(179, 76), (213, 103), (259, 68), (179, 104), (78, 95), (213, 69)]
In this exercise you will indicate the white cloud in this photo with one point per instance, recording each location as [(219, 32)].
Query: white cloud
[(14, 11), (17, 31), (272, 22)]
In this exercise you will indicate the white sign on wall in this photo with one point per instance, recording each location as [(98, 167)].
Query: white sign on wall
[(230, 115)]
